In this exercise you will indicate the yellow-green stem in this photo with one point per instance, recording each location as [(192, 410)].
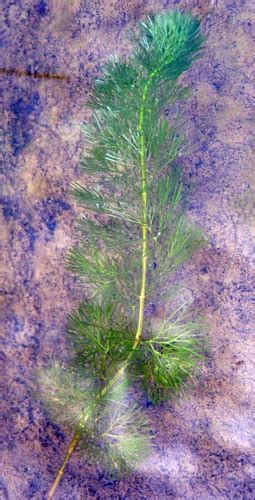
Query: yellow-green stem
[(144, 191), (61, 471), (144, 260)]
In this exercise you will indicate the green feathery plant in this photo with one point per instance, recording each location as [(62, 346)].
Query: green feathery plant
[(134, 235)]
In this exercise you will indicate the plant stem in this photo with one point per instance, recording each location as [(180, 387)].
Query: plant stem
[(61, 471), (143, 165), (144, 261)]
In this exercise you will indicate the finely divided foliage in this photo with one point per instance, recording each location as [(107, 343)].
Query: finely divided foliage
[(134, 234)]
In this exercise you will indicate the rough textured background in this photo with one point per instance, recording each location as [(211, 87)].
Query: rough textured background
[(204, 441)]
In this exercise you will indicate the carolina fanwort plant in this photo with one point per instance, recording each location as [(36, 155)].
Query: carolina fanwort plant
[(134, 235)]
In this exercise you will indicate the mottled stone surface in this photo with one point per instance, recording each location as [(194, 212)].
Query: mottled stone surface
[(204, 441)]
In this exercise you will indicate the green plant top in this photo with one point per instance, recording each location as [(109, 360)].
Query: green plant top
[(134, 235)]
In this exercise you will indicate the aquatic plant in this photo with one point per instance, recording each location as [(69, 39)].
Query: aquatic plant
[(134, 235)]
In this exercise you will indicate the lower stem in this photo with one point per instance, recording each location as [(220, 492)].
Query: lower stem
[(61, 471)]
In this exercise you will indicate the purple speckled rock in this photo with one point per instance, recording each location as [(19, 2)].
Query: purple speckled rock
[(53, 49)]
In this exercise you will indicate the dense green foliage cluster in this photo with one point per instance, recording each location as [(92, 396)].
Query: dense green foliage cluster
[(134, 234)]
